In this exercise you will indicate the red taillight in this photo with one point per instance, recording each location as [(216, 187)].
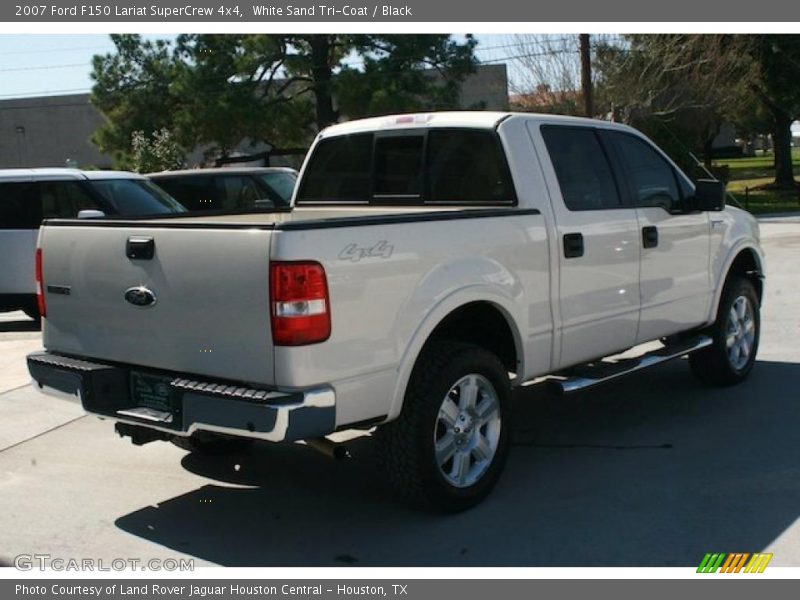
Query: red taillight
[(40, 284), (300, 305)]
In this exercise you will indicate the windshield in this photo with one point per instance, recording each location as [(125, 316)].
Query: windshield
[(282, 184), (136, 197)]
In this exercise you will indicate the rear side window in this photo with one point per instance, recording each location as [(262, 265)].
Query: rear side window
[(19, 206), (64, 199), (435, 166), (194, 192), (137, 197), (280, 184), (239, 192), (652, 178), (582, 168)]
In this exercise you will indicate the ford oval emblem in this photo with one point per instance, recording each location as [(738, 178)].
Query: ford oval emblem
[(140, 296)]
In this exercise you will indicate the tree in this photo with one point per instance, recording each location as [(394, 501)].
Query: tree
[(404, 73), (777, 60), (547, 74), (235, 89), (158, 152), (220, 91), (132, 91), (690, 84), (676, 86)]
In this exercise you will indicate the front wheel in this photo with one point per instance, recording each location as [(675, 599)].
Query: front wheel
[(448, 447), (736, 331)]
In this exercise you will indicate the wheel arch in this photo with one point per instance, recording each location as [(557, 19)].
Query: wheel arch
[(497, 332), (743, 261)]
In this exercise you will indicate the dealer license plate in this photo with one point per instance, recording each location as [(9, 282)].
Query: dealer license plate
[(152, 391)]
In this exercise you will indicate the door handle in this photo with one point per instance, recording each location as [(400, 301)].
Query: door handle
[(649, 236), (573, 245), (140, 248)]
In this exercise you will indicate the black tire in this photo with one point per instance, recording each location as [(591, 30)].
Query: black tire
[(714, 365), (406, 446), (210, 444), (33, 313)]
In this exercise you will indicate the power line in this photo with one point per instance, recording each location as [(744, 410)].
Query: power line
[(527, 43), (63, 49), (44, 67), (530, 55)]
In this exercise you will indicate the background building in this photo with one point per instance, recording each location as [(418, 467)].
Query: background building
[(55, 131)]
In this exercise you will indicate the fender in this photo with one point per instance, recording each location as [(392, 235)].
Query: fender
[(738, 247), (455, 300)]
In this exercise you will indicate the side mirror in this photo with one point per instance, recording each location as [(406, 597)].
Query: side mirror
[(91, 213), (709, 195)]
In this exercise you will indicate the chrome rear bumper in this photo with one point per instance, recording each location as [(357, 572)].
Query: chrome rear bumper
[(194, 405)]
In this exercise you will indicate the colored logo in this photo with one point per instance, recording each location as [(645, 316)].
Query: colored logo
[(734, 562)]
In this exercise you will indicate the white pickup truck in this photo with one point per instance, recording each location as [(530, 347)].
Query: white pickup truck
[(429, 264)]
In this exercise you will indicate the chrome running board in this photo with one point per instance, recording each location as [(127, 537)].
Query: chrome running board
[(603, 371)]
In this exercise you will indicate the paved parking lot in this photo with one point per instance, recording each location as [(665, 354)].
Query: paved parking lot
[(654, 470)]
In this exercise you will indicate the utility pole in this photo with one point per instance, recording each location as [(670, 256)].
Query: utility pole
[(586, 74)]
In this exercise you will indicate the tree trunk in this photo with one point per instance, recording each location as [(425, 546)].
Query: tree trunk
[(782, 140), (586, 75), (322, 75), (708, 153)]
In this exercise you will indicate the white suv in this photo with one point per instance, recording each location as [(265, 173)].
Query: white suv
[(27, 196)]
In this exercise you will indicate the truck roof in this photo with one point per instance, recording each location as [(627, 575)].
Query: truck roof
[(63, 173), (221, 170), (472, 119)]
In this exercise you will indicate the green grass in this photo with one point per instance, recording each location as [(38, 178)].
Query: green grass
[(754, 172)]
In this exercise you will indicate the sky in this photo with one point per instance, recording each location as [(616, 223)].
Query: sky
[(37, 65)]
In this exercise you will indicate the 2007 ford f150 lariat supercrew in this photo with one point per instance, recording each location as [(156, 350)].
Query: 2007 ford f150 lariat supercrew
[(429, 264)]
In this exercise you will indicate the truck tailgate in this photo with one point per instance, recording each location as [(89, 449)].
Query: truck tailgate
[(210, 284)]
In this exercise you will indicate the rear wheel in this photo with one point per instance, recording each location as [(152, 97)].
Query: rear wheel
[(210, 444), (448, 447), (736, 331), (32, 311)]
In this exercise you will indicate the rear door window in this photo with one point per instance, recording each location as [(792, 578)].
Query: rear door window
[(583, 171), (19, 206)]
